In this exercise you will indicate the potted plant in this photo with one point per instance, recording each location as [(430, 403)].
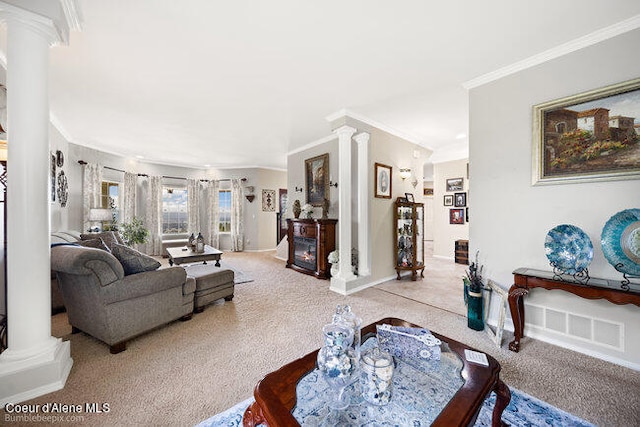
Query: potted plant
[(134, 232), (473, 296)]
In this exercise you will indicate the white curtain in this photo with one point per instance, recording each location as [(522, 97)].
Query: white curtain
[(213, 213), (91, 191), (193, 206), (237, 222), (154, 217), (129, 197)]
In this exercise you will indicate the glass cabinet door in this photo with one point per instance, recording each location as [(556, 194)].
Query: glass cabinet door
[(405, 236), (419, 234)]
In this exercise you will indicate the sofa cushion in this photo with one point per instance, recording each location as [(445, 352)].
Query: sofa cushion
[(109, 238), (94, 243), (133, 261)]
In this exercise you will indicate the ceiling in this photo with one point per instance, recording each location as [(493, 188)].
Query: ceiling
[(208, 83)]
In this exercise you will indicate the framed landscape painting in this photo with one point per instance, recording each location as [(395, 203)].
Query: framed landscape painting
[(317, 179), (592, 136)]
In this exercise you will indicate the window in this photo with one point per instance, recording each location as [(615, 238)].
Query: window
[(174, 210), (224, 208), (110, 198)]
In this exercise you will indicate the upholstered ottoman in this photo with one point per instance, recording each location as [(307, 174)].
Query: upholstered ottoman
[(212, 283)]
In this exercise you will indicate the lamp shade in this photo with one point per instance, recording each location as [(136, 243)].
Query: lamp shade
[(405, 173), (100, 214)]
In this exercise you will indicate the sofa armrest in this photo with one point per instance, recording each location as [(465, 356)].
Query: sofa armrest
[(142, 284), (84, 261)]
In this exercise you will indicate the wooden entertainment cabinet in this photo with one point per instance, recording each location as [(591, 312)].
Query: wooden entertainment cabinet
[(310, 242)]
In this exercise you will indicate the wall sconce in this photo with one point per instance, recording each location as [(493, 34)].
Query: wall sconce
[(299, 189), (250, 196), (405, 173)]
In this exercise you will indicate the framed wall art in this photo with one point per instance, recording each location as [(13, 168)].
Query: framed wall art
[(52, 177), (317, 179), (456, 216), (448, 200), (593, 136), (455, 184), (383, 181), (460, 200), (268, 200)]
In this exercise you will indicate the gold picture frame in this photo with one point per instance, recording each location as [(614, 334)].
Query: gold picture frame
[(383, 181), (592, 136), (317, 179)]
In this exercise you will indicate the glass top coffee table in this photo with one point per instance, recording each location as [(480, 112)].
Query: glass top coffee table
[(182, 255), (277, 394)]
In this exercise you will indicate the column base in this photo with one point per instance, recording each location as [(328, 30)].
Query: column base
[(340, 283), (28, 378)]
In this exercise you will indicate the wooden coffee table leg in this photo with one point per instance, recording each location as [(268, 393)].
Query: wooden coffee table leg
[(503, 397), (516, 307), (253, 416)]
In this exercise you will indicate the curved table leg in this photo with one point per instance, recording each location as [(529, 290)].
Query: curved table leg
[(516, 307), (253, 416), (503, 397)]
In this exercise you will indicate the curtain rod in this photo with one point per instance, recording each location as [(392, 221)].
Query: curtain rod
[(82, 162)]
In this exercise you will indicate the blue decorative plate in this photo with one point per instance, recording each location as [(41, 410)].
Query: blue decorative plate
[(568, 248), (621, 241)]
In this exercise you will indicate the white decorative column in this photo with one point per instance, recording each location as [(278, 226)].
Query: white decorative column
[(35, 363), (364, 247), (339, 283)]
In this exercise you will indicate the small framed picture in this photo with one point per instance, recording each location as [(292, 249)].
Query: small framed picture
[(428, 191), (383, 181), (448, 200), (455, 184), (460, 200), (409, 197), (456, 216)]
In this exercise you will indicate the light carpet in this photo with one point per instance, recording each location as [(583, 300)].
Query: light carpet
[(523, 410)]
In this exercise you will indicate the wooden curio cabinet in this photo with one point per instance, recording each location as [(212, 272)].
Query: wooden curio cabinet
[(310, 241), (409, 237)]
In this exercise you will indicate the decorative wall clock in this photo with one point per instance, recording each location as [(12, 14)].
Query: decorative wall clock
[(63, 189)]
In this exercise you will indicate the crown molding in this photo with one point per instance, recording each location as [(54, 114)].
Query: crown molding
[(598, 36), (368, 121), (313, 144), (72, 14)]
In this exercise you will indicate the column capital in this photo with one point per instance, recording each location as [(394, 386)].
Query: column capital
[(362, 137), (53, 20), (345, 131)]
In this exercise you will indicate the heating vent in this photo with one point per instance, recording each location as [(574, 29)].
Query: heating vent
[(584, 328)]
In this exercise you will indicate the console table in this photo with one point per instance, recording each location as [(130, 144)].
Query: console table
[(527, 278)]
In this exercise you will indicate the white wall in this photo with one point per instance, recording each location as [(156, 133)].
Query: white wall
[(444, 233), (511, 218)]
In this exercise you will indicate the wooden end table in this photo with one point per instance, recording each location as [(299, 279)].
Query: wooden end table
[(182, 255), (275, 394)]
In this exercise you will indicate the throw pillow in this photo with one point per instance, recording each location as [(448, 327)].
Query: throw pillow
[(108, 237), (94, 243), (133, 261)]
